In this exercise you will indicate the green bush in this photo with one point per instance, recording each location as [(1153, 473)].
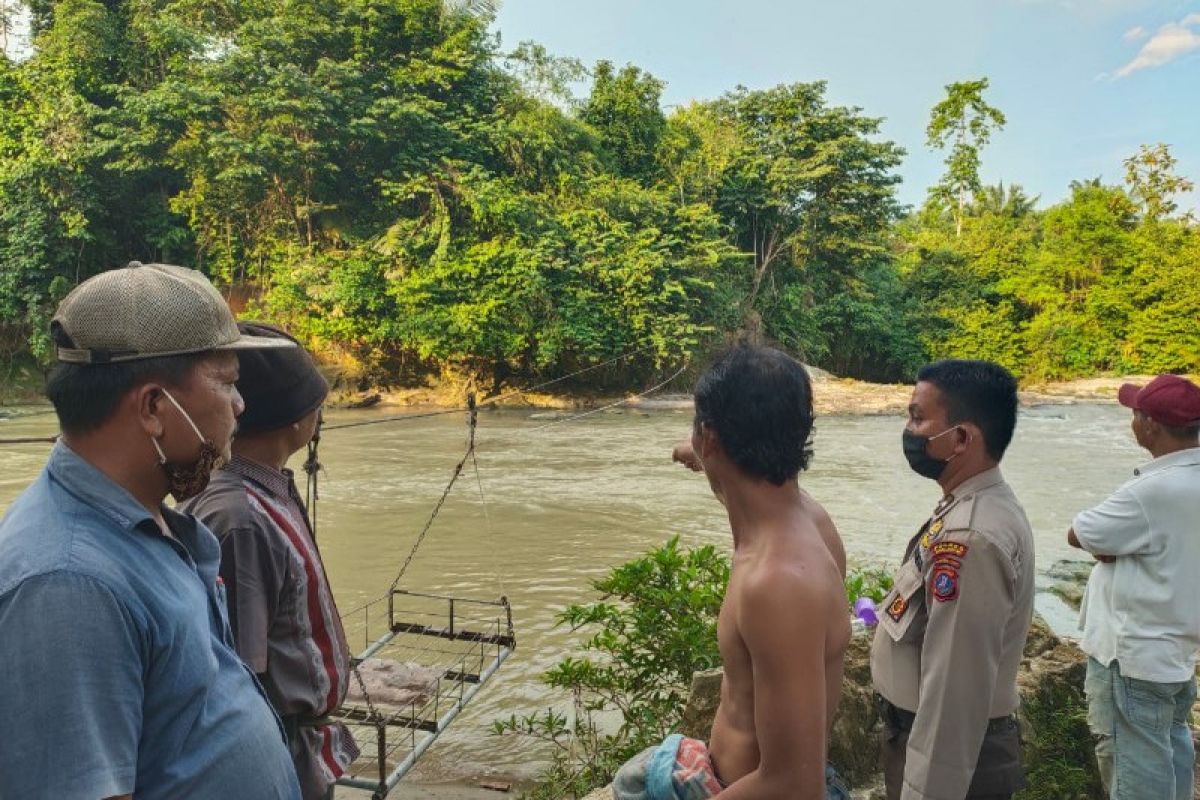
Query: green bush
[(872, 582), (1059, 762), (654, 625)]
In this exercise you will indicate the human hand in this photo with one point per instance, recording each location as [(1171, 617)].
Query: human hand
[(683, 454)]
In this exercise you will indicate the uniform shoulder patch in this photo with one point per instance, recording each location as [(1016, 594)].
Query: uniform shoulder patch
[(948, 549), (945, 583)]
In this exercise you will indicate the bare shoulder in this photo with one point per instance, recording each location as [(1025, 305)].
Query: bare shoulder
[(776, 593), (827, 529)]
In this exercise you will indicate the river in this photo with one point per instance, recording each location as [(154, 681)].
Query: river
[(564, 502)]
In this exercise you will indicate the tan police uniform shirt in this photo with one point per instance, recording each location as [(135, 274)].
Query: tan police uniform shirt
[(952, 632)]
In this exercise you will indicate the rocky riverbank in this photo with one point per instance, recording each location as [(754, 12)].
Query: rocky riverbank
[(1058, 752), (831, 395)]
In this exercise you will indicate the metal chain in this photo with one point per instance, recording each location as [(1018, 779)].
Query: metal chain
[(472, 421), (312, 466), (375, 716)]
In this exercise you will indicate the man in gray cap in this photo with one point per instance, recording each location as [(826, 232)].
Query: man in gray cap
[(120, 670), (285, 623)]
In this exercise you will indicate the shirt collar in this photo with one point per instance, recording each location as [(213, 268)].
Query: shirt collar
[(102, 494), (1180, 458), (275, 481), (95, 489), (976, 483)]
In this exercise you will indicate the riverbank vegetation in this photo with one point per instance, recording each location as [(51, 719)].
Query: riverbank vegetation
[(653, 626), (417, 199)]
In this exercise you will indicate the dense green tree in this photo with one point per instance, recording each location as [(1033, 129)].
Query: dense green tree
[(623, 108), (808, 190), (379, 176)]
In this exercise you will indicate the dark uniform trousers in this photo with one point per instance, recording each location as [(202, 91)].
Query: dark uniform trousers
[(998, 773)]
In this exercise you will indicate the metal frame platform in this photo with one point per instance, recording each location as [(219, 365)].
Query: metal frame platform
[(466, 640)]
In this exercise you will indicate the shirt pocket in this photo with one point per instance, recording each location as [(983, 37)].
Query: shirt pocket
[(902, 605)]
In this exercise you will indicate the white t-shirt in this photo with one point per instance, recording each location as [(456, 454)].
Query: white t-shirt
[(1144, 609)]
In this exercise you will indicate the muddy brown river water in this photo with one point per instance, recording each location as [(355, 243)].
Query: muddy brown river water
[(563, 504)]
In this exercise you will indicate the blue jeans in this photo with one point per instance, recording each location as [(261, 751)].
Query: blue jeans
[(1143, 734)]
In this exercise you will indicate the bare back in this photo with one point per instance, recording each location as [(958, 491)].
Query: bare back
[(783, 632)]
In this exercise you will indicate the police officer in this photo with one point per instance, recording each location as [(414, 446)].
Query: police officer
[(945, 656)]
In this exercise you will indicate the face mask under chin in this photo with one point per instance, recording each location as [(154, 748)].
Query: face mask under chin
[(915, 451), (186, 481)]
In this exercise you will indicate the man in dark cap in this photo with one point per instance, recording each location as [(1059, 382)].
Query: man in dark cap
[(1141, 614), (285, 623), (120, 678)]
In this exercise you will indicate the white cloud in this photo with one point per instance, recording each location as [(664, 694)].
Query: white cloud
[(1167, 44), (1135, 34)]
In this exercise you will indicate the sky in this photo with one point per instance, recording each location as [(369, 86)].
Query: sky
[(1083, 83)]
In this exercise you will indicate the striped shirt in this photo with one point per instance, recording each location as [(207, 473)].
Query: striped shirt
[(285, 622)]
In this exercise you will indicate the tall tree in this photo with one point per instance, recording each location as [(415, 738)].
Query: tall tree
[(623, 108), (806, 186), (964, 122), (1152, 181)]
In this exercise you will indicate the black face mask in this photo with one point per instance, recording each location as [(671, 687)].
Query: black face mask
[(921, 462)]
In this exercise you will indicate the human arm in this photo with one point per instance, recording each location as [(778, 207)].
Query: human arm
[(1116, 527), (787, 654), (970, 593), (73, 660), (253, 567), (1073, 540)]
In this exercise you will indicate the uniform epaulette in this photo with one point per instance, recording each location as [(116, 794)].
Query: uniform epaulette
[(959, 515)]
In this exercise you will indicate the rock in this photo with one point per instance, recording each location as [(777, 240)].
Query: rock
[(549, 415), (1058, 751), (854, 736), (701, 708), (853, 744), (1051, 687), (364, 401), (1041, 639), (1068, 579), (1052, 718)]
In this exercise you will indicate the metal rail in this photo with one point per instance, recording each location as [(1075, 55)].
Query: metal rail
[(464, 681)]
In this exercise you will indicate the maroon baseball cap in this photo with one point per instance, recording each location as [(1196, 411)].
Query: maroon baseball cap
[(1168, 399)]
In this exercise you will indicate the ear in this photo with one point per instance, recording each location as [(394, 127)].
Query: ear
[(148, 401), (709, 442), (968, 432)]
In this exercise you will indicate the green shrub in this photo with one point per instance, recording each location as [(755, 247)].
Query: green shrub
[(872, 582), (1060, 763), (654, 625)]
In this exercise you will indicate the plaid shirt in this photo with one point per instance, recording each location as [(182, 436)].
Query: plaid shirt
[(285, 622)]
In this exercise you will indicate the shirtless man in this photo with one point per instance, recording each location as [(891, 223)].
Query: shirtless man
[(784, 625)]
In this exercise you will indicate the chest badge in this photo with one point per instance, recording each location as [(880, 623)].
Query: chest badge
[(897, 608)]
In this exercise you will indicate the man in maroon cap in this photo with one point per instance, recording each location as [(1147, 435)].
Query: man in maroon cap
[(1141, 614)]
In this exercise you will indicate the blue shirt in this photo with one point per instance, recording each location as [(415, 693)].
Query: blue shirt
[(118, 674)]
